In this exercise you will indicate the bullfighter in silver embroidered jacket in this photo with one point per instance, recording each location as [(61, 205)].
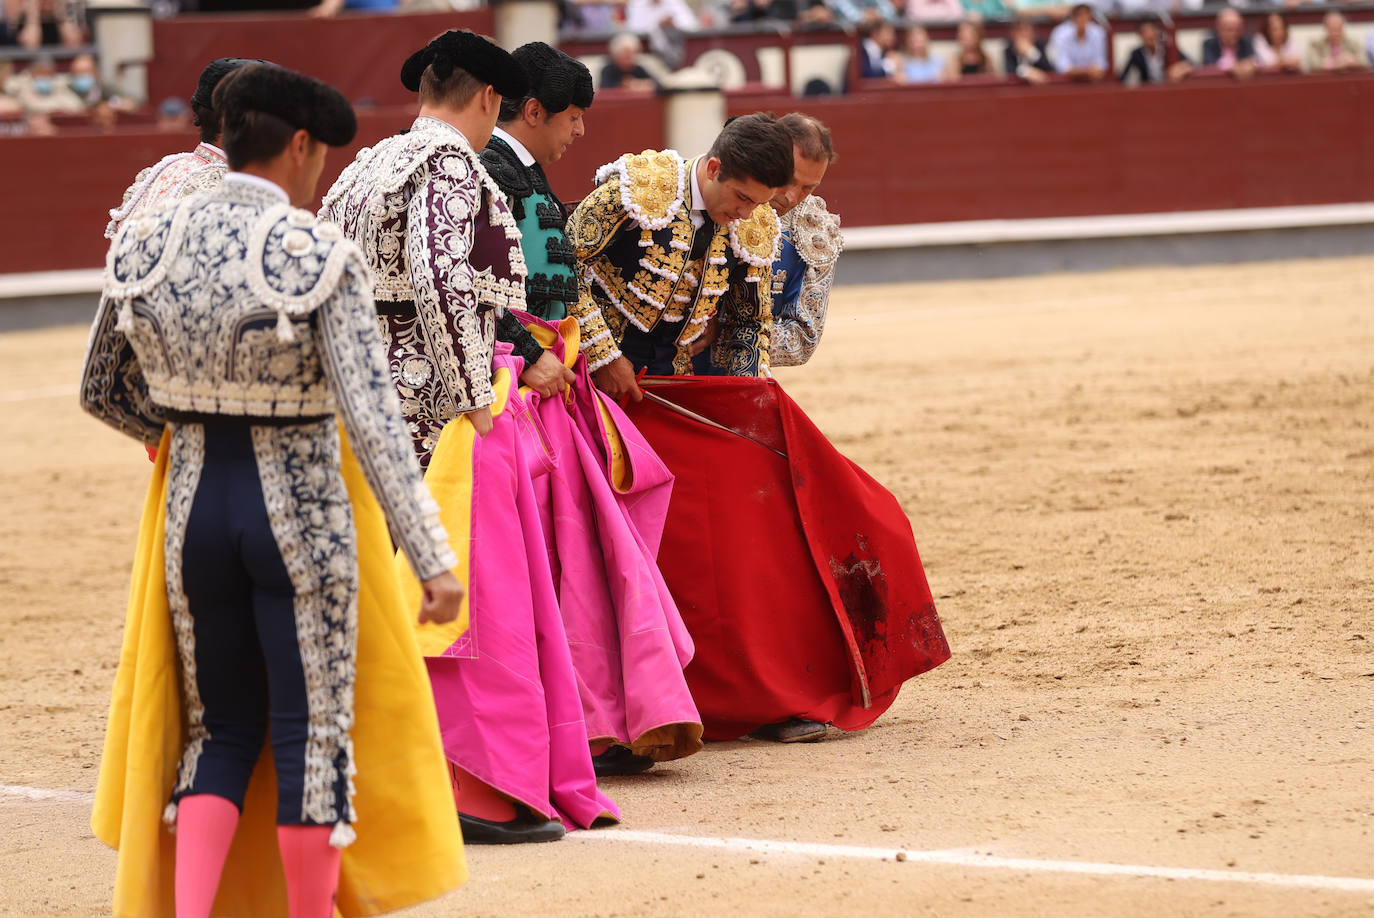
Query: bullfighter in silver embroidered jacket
[(443, 247), (245, 326), (181, 174), (811, 244)]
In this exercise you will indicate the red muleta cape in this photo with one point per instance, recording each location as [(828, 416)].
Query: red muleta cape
[(796, 573)]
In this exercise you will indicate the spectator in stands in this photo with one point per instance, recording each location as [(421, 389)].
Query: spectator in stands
[(1335, 51), (644, 17), (879, 41), (8, 104), (1156, 60), (84, 79), (1078, 46), (1275, 49), (919, 64), (855, 12), (971, 59), (665, 23), (1024, 56), (1369, 47), (173, 115), (596, 16), (934, 10), (623, 70), (987, 9), (1229, 49), (44, 23), (40, 92)]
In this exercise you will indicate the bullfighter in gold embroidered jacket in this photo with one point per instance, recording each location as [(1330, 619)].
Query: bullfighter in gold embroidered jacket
[(665, 244)]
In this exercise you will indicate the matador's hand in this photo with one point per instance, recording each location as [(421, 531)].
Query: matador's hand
[(443, 599), (481, 419), (617, 379), (548, 376)]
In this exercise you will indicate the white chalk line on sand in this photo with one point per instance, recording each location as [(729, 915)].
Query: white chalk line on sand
[(957, 857), (20, 792), (30, 395), (968, 858)]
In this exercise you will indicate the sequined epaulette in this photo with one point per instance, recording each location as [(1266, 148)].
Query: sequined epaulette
[(757, 239), (139, 254), (653, 186), (295, 262), (815, 232), (509, 173)]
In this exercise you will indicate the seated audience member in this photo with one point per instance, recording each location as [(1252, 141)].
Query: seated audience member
[(1078, 46), (987, 9), (934, 10), (1274, 48), (855, 12), (104, 116), (879, 41), (591, 15), (1156, 60), (1024, 56), (173, 115), (44, 23), (83, 77), (971, 59), (623, 70), (919, 64), (40, 92), (1229, 49), (9, 105), (644, 17), (1334, 51)]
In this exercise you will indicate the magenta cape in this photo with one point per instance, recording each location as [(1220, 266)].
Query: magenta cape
[(796, 572), (507, 698), (604, 502)]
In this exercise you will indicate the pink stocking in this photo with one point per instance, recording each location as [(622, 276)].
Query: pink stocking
[(311, 866), (205, 829), (477, 798)]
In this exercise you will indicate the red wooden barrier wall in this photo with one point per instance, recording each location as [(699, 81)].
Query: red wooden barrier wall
[(359, 55), (908, 155), (61, 187)]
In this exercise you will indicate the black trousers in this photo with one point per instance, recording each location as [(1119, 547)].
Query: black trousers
[(260, 647)]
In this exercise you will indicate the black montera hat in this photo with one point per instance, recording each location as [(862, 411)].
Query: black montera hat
[(462, 50), (214, 72), (303, 102), (556, 79)]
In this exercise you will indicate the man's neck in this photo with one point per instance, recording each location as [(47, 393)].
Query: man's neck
[(465, 120), (521, 132)]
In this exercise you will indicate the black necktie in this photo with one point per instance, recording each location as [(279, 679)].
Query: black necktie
[(702, 238)]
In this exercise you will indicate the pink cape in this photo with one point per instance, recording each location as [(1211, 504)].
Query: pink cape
[(506, 694), (604, 504)]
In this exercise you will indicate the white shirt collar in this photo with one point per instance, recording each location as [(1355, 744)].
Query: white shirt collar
[(260, 182), (698, 202), (521, 153), (213, 149)]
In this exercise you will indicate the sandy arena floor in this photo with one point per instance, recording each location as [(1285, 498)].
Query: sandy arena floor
[(1145, 499)]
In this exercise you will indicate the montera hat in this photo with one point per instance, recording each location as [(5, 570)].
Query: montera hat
[(556, 79), (215, 71), (462, 50), (301, 101)]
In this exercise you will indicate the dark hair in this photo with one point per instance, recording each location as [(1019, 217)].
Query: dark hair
[(455, 90), (1077, 7), (755, 147), (810, 136), (205, 118), (254, 137)]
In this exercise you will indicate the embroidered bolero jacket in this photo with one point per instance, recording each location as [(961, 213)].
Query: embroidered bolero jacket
[(802, 278), (233, 303), (170, 179), (413, 204), (632, 237)]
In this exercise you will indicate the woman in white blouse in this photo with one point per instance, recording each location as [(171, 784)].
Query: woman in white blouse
[(1275, 48)]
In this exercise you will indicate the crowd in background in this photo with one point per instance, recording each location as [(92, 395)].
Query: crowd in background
[(49, 77)]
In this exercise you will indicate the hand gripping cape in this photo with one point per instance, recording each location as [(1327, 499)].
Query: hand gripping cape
[(797, 574), (408, 848)]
